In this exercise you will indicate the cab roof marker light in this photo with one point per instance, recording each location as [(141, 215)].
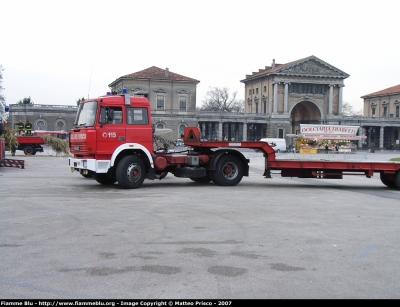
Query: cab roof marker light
[(126, 96)]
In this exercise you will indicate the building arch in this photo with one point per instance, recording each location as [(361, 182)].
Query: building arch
[(304, 111)]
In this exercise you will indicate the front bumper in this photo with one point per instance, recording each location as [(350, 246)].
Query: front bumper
[(97, 166)]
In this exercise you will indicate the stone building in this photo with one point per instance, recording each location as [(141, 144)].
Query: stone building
[(172, 96), (382, 118), (305, 91), (43, 117)]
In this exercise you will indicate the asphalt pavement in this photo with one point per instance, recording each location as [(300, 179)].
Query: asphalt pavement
[(64, 236)]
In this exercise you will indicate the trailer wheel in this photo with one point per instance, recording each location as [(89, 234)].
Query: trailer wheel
[(229, 171), (29, 150), (103, 178), (386, 181), (130, 172), (397, 180)]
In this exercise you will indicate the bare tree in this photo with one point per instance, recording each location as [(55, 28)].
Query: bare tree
[(347, 110), (219, 99)]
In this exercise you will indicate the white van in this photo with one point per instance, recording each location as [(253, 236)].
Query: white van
[(280, 144)]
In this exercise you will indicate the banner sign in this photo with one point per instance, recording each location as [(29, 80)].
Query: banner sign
[(331, 130)]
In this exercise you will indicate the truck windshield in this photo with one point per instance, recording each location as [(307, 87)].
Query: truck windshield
[(86, 114)]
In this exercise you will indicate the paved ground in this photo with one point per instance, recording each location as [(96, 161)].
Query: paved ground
[(65, 236)]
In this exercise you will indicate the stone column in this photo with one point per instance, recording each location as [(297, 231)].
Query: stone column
[(330, 103), (381, 137), (340, 99), (244, 131), (275, 110), (286, 98), (220, 131), (361, 132)]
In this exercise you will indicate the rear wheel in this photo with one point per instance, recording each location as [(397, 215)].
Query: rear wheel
[(229, 171), (387, 181), (397, 180), (29, 150), (131, 172), (104, 179)]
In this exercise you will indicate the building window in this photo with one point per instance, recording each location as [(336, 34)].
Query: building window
[(373, 112), (257, 90), (265, 88), (182, 103), (280, 133), (160, 102), (256, 107), (181, 130), (397, 111), (60, 124), (40, 124), (385, 111), (249, 92), (160, 126)]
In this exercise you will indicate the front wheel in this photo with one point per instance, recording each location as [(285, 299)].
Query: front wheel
[(29, 150), (104, 178), (131, 172), (229, 171)]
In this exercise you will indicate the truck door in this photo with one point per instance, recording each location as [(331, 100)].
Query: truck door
[(138, 127), (111, 132)]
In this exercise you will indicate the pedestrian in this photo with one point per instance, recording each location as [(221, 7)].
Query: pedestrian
[(337, 148), (28, 128), (326, 148), (20, 127)]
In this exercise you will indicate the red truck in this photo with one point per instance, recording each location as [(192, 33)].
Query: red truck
[(113, 141), (30, 144)]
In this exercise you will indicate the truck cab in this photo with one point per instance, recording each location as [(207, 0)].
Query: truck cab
[(108, 128)]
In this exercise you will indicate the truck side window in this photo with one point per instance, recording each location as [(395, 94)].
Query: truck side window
[(136, 116), (117, 118)]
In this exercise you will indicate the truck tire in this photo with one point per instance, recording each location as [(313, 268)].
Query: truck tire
[(29, 150), (103, 178), (130, 172), (386, 181), (163, 175), (397, 180), (229, 171), (205, 179)]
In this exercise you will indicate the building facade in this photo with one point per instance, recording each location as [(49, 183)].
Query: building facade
[(382, 118)]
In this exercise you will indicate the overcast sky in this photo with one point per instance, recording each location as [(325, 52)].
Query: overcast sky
[(59, 51)]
